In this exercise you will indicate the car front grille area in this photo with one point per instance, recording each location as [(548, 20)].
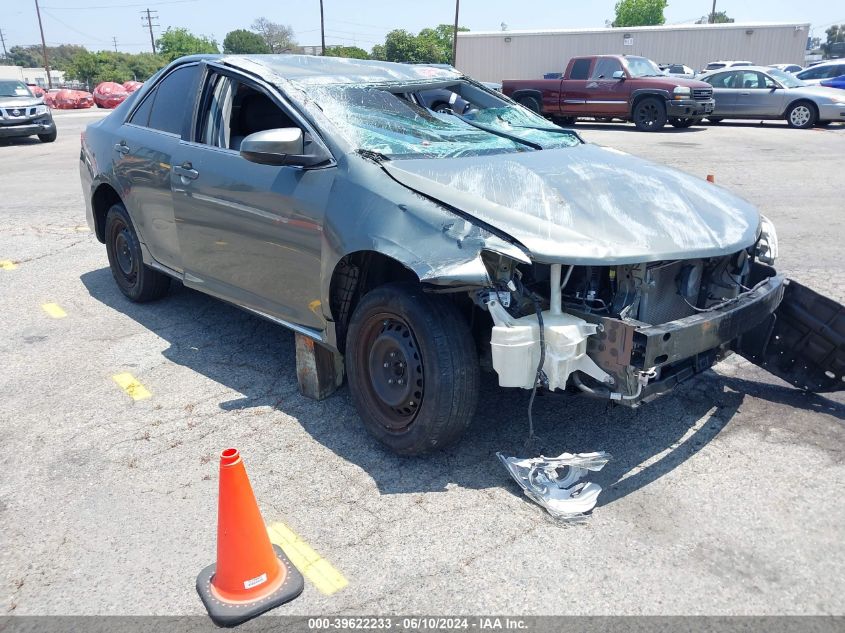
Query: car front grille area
[(17, 113), (702, 94)]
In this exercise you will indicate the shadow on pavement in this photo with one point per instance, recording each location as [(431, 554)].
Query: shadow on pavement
[(256, 359)]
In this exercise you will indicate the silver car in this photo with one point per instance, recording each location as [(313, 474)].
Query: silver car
[(757, 92)]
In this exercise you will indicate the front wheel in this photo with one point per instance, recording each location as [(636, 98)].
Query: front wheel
[(49, 137), (412, 368), (135, 279), (683, 123), (650, 114), (801, 115)]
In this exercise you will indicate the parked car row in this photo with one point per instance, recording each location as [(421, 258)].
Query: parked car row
[(632, 88)]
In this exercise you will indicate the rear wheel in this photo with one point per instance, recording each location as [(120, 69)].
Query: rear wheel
[(683, 123), (49, 137), (565, 120), (135, 279), (530, 102), (801, 115), (650, 114), (412, 368)]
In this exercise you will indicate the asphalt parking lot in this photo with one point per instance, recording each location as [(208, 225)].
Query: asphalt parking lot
[(724, 497)]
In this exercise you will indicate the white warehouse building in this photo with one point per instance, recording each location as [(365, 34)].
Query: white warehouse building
[(498, 55)]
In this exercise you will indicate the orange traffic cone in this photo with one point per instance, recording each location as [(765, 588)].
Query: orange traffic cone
[(251, 575)]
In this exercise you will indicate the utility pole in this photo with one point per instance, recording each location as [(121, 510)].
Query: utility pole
[(322, 30), (455, 33), (114, 40), (148, 23), (3, 40), (44, 47), (713, 13)]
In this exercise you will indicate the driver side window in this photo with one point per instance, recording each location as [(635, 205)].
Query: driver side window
[(605, 67), (234, 109)]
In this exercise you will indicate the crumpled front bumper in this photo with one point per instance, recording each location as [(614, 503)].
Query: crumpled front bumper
[(682, 348), (27, 128)]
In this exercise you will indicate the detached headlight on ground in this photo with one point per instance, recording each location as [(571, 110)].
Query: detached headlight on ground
[(767, 245)]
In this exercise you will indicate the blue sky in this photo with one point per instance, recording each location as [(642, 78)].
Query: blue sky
[(93, 23)]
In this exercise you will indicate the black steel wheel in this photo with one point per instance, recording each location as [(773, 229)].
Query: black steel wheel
[(135, 279), (650, 114), (531, 103), (412, 368)]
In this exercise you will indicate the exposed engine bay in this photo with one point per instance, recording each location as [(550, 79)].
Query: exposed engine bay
[(611, 331)]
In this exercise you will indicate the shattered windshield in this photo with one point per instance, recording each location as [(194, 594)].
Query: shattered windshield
[(396, 125)]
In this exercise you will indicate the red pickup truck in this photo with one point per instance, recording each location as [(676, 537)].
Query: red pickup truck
[(616, 87)]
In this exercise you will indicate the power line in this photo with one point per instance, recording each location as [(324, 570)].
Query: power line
[(120, 6)]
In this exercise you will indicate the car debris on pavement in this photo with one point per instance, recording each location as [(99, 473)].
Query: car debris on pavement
[(555, 482)]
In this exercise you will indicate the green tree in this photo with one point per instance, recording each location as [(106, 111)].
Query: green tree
[(244, 42), (835, 35), (720, 17), (278, 37), (429, 46), (31, 56), (93, 68), (640, 12), (354, 52), (176, 42)]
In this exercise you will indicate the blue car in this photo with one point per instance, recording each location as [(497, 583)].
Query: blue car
[(836, 82)]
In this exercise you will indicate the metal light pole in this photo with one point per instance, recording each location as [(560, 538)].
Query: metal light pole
[(455, 33), (44, 47), (322, 30)]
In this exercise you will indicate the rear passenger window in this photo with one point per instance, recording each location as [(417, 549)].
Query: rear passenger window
[(580, 69), (142, 114), (173, 97)]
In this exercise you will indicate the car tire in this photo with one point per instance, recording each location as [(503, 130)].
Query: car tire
[(420, 342), (136, 280), (48, 138), (650, 114), (531, 103), (442, 108), (823, 123), (801, 115), (565, 120), (683, 123), (714, 120)]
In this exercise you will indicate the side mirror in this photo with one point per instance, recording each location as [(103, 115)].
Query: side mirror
[(281, 146), (618, 74)]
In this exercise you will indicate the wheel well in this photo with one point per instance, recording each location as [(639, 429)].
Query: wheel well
[(646, 95), (354, 276), (810, 103), (103, 199)]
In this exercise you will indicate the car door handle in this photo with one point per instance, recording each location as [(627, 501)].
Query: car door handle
[(186, 170), (744, 94), (122, 147)]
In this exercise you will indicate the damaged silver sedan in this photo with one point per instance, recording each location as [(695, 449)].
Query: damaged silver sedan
[(419, 247)]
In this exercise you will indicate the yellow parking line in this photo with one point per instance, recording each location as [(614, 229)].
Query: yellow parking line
[(131, 386), (6, 264), (54, 310), (314, 567)]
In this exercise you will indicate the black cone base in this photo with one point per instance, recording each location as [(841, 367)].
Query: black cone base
[(232, 614)]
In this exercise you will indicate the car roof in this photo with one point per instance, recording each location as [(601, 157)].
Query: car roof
[(728, 69), (312, 69), (827, 62)]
